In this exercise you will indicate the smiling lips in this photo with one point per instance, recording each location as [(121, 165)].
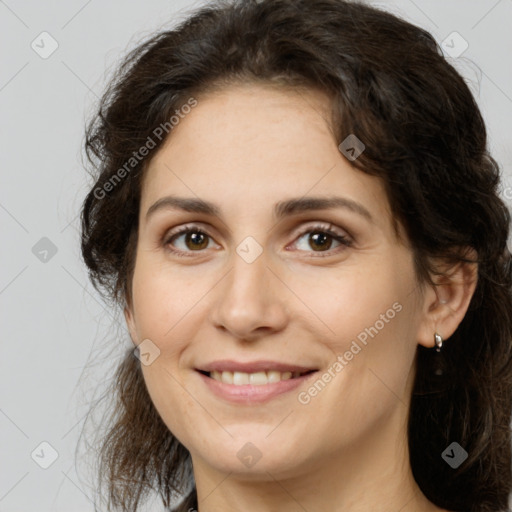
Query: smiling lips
[(252, 381)]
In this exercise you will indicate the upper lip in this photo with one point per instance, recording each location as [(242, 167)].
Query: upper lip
[(252, 366)]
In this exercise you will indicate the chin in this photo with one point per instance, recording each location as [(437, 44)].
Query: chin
[(254, 457)]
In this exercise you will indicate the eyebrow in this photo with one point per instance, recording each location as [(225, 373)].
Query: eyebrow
[(281, 209)]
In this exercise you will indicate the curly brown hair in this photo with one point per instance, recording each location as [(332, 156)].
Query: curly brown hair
[(425, 138)]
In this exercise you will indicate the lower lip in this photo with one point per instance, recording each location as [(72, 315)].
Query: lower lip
[(249, 393)]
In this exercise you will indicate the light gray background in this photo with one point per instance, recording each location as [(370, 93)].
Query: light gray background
[(52, 320)]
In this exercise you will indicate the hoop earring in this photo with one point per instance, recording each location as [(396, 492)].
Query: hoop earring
[(439, 341)]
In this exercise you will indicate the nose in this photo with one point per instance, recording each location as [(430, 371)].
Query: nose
[(250, 302)]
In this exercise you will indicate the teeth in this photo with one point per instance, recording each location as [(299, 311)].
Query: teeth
[(226, 377), (256, 379), (240, 378)]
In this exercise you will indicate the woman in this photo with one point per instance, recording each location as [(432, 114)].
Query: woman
[(295, 207)]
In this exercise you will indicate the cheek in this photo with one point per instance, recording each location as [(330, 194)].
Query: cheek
[(174, 404), (355, 302), (161, 300), (371, 318), (164, 312)]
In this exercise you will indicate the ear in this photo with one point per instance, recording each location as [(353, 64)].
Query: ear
[(446, 302), (130, 322)]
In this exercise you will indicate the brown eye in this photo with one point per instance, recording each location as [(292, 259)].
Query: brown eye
[(320, 239), (187, 240), (196, 240)]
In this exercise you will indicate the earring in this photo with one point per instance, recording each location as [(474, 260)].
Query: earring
[(439, 341)]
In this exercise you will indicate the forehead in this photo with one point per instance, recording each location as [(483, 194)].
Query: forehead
[(237, 122), (258, 144)]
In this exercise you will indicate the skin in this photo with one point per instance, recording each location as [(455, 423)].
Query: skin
[(245, 148)]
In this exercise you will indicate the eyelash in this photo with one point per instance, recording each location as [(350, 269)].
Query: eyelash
[(343, 240)]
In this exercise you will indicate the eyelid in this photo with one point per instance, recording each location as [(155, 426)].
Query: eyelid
[(183, 230), (322, 226), (341, 236)]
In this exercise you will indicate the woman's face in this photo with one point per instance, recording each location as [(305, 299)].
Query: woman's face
[(271, 279)]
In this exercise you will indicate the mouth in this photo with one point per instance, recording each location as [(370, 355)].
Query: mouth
[(259, 378), (256, 387), (252, 382)]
